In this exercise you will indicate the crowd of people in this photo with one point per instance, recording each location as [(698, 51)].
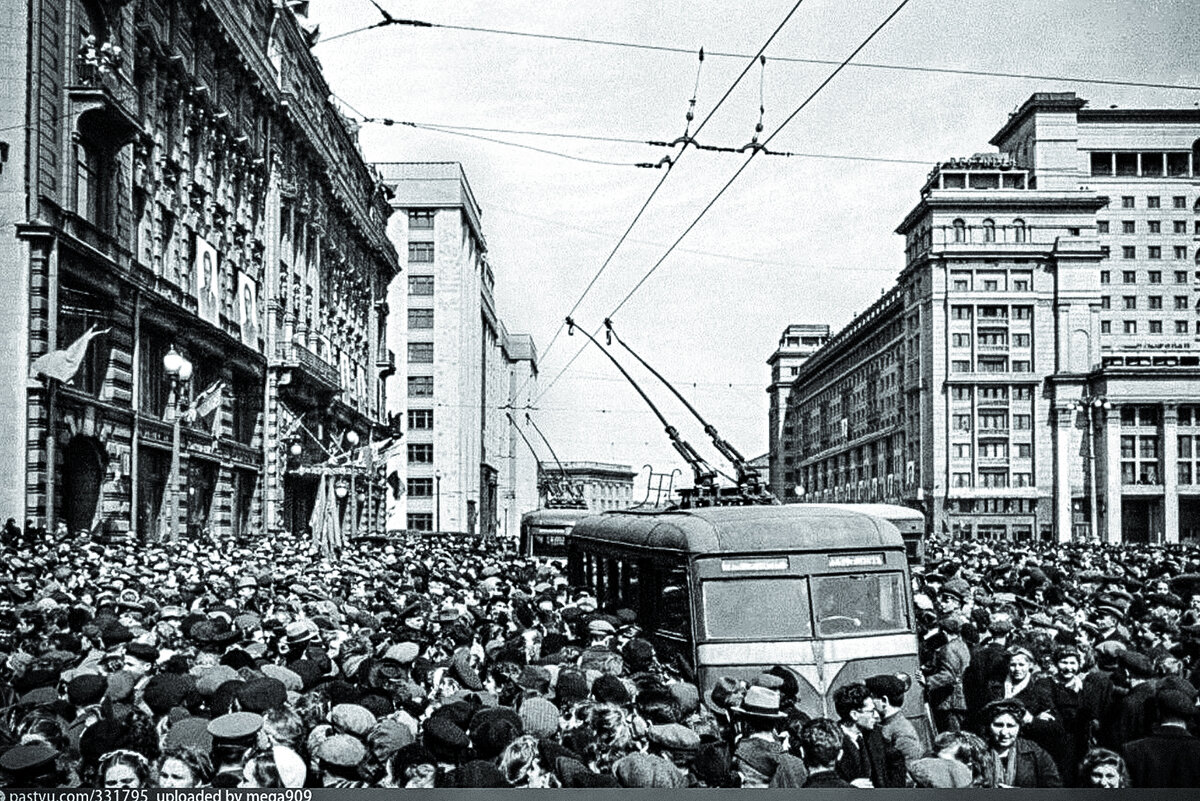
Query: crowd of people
[(425, 662)]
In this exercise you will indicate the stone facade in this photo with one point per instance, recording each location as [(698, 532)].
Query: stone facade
[(190, 189), (999, 386)]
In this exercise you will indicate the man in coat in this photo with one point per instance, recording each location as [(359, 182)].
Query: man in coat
[(1170, 757), (944, 677)]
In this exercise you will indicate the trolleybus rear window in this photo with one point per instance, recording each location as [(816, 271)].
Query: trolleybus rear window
[(867, 603), (759, 609)]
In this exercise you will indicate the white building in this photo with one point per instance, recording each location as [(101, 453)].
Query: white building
[(461, 465)]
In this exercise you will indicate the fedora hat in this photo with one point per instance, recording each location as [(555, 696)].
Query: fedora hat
[(759, 702)]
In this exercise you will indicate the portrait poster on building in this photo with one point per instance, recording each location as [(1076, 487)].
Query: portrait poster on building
[(247, 293), (208, 298)]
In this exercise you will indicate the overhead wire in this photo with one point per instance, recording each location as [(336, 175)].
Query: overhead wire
[(711, 203), (975, 73)]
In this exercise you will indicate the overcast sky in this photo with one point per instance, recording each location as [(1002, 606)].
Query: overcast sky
[(794, 239)]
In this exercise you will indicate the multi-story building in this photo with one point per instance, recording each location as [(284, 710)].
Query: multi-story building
[(1035, 368), (796, 344), (602, 486), (181, 185), (464, 468)]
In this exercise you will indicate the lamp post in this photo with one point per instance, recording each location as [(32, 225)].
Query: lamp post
[(179, 370), (1088, 404), (437, 478)]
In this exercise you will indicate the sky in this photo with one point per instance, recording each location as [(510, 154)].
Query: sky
[(793, 239)]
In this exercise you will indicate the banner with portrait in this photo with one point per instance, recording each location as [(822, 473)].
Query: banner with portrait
[(208, 297), (247, 305)]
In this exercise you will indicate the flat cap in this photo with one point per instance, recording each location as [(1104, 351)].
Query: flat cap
[(403, 652), (291, 679), (601, 627), (28, 759), (341, 750), (259, 695), (352, 719), (674, 737)]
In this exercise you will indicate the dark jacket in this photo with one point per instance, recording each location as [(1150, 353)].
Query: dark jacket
[(1170, 757), (1038, 697), (1134, 715), (1035, 768), (826, 778), (865, 761), (944, 683)]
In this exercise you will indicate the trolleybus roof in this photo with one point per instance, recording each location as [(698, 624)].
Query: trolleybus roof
[(742, 529), (556, 517)]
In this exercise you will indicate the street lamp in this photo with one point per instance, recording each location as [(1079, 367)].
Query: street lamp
[(437, 477), (179, 370), (1090, 404)]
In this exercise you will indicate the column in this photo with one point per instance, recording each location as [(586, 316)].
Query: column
[(1110, 435), (1063, 424), (1170, 455)]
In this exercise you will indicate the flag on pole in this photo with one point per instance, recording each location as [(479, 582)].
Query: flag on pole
[(62, 365), (207, 401)]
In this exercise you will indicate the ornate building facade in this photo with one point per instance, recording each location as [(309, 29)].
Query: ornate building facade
[(1035, 372), (195, 199)]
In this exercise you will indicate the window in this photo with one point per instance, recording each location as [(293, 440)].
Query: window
[(89, 182), (993, 394), (1181, 276), (993, 450), (1020, 284), (1128, 227), (420, 285), (1156, 327), (1105, 251), (1126, 200), (420, 386), (1105, 277), (1105, 302), (961, 340), (1102, 163), (420, 453), (1131, 326), (993, 421), (962, 479), (1022, 312), (856, 604), (1153, 202), (962, 422), (1155, 301), (1022, 366), (1179, 227), (993, 479), (960, 393), (993, 364), (1022, 479), (1155, 276), (420, 488), (1129, 302), (1181, 326), (1129, 277), (960, 366), (1024, 450), (1128, 252), (1019, 230), (1021, 340), (962, 450), (420, 252), (420, 521), (1179, 202), (1102, 226), (1022, 422), (961, 285), (420, 419), (420, 318), (421, 220), (960, 312), (1180, 252), (420, 353), (1106, 326), (989, 230), (960, 231), (1154, 252), (747, 609), (991, 286), (1155, 226), (1073, 231), (1181, 302)]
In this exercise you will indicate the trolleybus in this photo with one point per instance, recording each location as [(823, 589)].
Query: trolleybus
[(736, 590), (544, 531), (910, 522)]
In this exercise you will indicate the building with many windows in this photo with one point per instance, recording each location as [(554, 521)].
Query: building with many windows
[(1035, 372), (461, 464), (796, 344), (602, 486), (182, 191)]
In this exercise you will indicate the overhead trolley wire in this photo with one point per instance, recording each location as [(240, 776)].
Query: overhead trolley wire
[(711, 203), (975, 73)]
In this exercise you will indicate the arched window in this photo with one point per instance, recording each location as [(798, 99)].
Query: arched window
[(960, 231), (1018, 230), (989, 230)]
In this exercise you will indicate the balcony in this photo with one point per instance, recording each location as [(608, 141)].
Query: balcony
[(103, 102), (301, 363), (385, 361)]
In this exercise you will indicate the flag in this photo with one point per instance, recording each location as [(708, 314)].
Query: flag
[(62, 365), (207, 401)]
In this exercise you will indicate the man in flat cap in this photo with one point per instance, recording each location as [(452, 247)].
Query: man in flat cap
[(897, 731)]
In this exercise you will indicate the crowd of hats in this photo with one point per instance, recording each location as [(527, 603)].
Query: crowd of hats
[(427, 662)]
